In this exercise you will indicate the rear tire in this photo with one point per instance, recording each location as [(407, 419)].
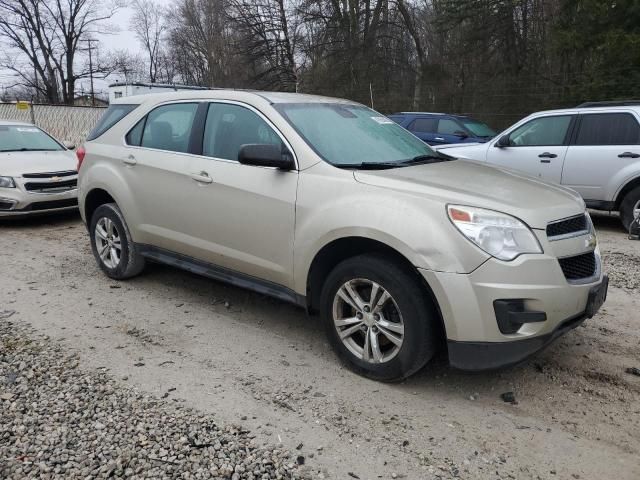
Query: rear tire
[(384, 338), (114, 250), (630, 202)]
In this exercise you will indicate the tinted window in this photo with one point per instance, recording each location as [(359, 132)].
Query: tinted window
[(479, 129), (345, 134), (424, 125), (543, 131), (229, 127), (169, 127), (134, 137), (448, 127), (608, 129), (14, 138), (113, 115)]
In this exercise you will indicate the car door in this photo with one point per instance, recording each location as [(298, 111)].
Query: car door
[(605, 144), (241, 217), (155, 168), (537, 147), (425, 129)]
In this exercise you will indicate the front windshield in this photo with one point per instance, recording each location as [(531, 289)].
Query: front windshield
[(478, 129), (25, 138), (351, 135)]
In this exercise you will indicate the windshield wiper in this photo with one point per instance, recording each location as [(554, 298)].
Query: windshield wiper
[(371, 165), (429, 158)]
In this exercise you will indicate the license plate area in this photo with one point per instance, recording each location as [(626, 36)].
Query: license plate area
[(597, 297)]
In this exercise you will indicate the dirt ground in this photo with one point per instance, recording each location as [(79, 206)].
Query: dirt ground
[(264, 364)]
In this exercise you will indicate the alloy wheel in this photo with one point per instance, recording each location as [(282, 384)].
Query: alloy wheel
[(368, 320), (108, 242)]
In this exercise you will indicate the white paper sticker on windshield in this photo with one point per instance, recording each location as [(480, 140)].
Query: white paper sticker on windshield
[(382, 120), (27, 129)]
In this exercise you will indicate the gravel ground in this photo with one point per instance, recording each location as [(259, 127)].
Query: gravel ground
[(60, 421), (207, 349)]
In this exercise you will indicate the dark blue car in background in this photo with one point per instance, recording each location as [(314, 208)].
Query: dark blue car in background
[(442, 128)]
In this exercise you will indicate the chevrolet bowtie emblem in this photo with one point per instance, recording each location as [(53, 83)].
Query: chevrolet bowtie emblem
[(55, 179), (591, 241)]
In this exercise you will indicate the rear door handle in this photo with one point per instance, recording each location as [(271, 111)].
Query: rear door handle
[(202, 177), (547, 155), (130, 160), (629, 155)]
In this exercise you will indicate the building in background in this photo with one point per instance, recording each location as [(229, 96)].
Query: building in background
[(120, 90)]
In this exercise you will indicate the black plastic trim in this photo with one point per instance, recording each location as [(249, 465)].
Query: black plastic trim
[(600, 205), (222, 274), (478, 356), (511, 314)]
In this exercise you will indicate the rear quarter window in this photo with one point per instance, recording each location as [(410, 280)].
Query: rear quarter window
[(113, 115)]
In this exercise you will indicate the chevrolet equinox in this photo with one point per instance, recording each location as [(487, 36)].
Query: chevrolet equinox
[(330, 205)]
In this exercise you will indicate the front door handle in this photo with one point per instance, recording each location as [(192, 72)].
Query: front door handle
[(629, 155), (130, 160), (547, 155), (202, 177)]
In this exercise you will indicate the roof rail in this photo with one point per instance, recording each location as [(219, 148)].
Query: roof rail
[(612, 103)]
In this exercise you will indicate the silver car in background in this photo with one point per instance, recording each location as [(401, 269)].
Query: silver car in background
[(38, 173)]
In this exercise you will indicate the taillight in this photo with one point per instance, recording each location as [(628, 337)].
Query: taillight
[(80, 153)]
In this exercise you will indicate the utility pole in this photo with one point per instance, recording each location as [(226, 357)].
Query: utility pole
[(90, 48)]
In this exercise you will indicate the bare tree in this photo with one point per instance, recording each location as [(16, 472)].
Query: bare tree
[(149, 25), (48, 34), (268, 39), (201, 42)]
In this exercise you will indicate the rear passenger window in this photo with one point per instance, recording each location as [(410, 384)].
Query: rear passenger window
[(169, 127), (134, 137), (229, 127), (448, 127), (608, 129), (424, 125)]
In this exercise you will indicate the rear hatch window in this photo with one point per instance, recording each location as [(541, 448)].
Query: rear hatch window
[(113, 115)]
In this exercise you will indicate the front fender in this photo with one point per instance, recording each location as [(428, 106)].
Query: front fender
[(334, 207)]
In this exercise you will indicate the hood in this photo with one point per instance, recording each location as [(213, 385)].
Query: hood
[(15, 164), (478, 185)]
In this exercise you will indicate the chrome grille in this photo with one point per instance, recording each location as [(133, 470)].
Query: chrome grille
[(65, 173), (51, 187)]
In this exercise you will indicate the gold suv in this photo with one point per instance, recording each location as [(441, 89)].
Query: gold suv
[(330, 205)]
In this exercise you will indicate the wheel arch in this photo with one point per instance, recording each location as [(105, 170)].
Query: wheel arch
[(630, 185), (96, 197), (340, 249)]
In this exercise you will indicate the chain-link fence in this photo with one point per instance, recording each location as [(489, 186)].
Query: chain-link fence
[(61, 121)]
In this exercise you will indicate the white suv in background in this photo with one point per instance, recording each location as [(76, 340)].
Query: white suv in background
[(593, 149)]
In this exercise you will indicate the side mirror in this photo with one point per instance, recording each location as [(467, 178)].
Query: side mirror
[(503, 141), (69, 145), (461, 134), (266, 155)]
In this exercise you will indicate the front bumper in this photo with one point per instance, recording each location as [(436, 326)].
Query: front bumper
[(466, 303), (475, 356), (17, 203)]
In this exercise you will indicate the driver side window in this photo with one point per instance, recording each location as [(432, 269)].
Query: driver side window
[(543, 131), (229, 127)]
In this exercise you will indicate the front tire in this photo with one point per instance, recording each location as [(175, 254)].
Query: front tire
[(113, 248), (630, 202), (378, 318)]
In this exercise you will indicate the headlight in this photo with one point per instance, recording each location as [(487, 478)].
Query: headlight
[(7, 182), (500, 235)]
